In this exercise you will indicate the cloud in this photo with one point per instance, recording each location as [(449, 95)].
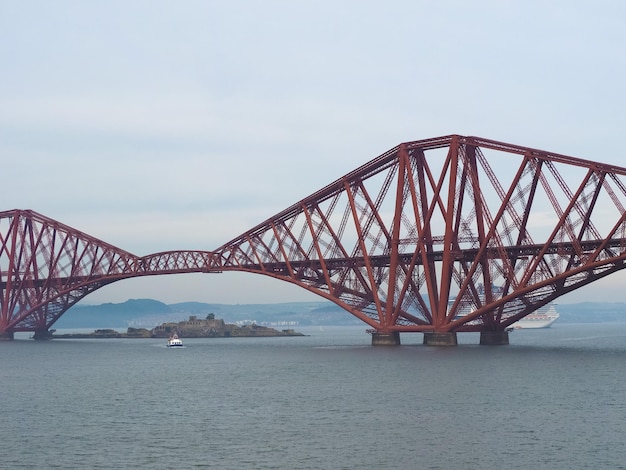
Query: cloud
[(149, 124)]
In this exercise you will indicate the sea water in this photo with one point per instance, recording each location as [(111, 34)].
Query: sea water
[(552, 399)]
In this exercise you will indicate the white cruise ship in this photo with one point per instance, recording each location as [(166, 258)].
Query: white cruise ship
[(542, 318)]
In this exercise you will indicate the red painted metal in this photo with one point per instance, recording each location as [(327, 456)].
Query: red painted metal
[(427, 238), (447, 234), (46, 267)]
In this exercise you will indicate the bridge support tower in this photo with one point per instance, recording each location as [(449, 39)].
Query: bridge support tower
[(42, 335), (386, 339), (6, 336), (440, 339), (494, 338)]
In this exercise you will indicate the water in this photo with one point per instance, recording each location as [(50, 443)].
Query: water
[(553, 399)]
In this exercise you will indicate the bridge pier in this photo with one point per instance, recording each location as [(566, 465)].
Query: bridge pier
[(386, 339), (42, 335), (494, 338), (6, 336), (440, 339)]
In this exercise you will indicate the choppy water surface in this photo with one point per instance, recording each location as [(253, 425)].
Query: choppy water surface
[(553, 399)]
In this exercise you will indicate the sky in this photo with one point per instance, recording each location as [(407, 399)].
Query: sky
[(157, 125)]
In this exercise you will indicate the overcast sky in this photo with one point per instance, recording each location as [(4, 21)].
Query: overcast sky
[(160, 125)]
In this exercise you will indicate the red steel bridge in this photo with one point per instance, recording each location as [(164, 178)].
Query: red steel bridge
[(438, 236)]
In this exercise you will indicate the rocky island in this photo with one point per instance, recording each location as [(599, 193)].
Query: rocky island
[(194, 327)]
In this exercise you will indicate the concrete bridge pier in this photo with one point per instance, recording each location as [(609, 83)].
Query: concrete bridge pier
[(494, 338), (43, 334), (447, 338), (6, 336), (385, 339)]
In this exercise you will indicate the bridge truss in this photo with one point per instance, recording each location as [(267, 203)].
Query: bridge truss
[(46, 267), (447, 234), (437, 236)]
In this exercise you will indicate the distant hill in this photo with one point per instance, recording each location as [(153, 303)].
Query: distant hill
[(147, 313), (592, 312)]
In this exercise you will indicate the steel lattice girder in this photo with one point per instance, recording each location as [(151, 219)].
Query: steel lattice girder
[(446, 234), (426, 237), (46, 267)]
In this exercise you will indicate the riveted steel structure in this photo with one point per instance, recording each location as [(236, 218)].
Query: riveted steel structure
[(438, 236), (46, 267), (447, 234)]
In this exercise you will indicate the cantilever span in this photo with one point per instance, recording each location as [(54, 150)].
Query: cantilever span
[(437, 236), (46, 267)]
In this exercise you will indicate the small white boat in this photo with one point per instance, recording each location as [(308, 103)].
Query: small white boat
[(174, 342)]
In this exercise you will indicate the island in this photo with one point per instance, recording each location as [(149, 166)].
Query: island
[(194, 327)]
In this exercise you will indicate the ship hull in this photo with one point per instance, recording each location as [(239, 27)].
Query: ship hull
[(540, 321)]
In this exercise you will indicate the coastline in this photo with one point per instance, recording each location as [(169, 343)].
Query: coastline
[(194, 327), (112, 334)]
